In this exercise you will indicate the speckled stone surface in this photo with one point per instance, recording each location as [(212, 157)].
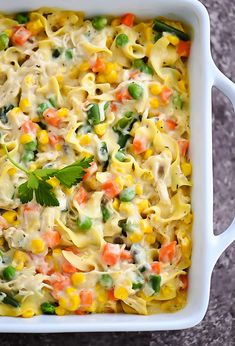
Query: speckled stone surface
[(218, 326)]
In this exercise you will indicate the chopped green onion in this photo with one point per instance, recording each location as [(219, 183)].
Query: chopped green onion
[(3, 113), (122, 140), (93, 114), (127, 194), (84, 223), (52, 101), (9, 273), (121, 40), (103, 154), (48, 308), (140, 64), (69, 54), (42, 107), (105, 213), (163, 27), (157, 36), (138, 282), (106, 105), (4, 41), (155, 281), (22, 18), (99, 23), (135, 90), (106, 281), (120, 155), (28, 156), (10, 301)]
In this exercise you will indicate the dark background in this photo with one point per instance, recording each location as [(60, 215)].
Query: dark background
[(218, 326)]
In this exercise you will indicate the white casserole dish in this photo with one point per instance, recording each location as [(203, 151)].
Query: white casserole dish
[(206, 247)]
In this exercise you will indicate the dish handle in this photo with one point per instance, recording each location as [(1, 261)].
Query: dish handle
[(222, 241)]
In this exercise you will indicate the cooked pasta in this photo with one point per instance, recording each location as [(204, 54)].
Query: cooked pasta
[(95, 176)]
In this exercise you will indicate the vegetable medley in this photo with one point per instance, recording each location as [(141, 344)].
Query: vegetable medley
[(95, 178)]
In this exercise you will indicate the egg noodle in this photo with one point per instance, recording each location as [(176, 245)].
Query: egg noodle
[(113, 91)]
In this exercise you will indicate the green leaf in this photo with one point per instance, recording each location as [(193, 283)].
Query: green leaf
[(32, 181), (25, 193), (45, 172), (45, 195)]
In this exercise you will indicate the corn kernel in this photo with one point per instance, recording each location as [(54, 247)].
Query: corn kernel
[(188, 218), (128, 180), (84, 139), (54, 182), (60, 311), (60, 79), (28, 313), (19, 259), (25, 138), (173, 40), (147, 176), (68, 191), (70, 290), (160, 125), (35, 26), (125, 207), (43, 137), (119, 181), (100, 129), (84, 66), (116, 204), (116, 22), (57, 252), (101, 78), (58, 147), (71, 302), (120, 293), (109, 67), (109, 41), (154, 103), (85, 154), (145, 226), (150, 238), (148, 153), (28, 80), (155, 89), (112, 77), (15, 110), (63, 302), (148, 32), (25, 105), (63, 112), (8, 32), (148, 50), (12, 172), (142, 205), (181, 85), (136, 237), (10, 216), (186, 168), (33, 166), (74, 72), (37, 246), (101, 294), (78, 278), (138, 189)]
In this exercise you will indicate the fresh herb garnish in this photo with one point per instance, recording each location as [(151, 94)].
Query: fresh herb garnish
[(37, 184)]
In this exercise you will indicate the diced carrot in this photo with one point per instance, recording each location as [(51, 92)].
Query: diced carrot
[(51, 117), (183, 146), (29, 127), (156, 267), (165, 94), (171, 124), (90, 171), (68, 268), (183, 48), (20, 35), (122, 95), (111, 254), (80, 312), (86, 297), (60, 281), (126, 256), (111, 188), (113, 107), (128, 19), (54, 138), (81, 195), (139, 145), (52, 238), (167, 252), (99, 66), (184, 280), (110, 294)]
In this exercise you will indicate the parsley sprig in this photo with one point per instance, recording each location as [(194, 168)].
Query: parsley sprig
[(37, 180)]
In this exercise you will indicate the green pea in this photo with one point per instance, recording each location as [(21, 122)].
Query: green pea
[(31, 146), (105, 213), (84, 223), (178, 102), (69, 54), (4, 41), (120, 156), (9, 273), (99, 23), (93, 114), (106, 281), (155, 281), (22, 18), (48, 308), (121, 40), (42, 107), (135, 90), (127, 194), (28, 156)]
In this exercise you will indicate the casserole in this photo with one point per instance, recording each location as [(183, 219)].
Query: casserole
[(202, 185)]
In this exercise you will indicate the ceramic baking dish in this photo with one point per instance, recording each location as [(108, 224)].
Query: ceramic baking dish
[(206, 246)]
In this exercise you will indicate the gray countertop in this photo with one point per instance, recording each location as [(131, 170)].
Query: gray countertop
[(218, 326)]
